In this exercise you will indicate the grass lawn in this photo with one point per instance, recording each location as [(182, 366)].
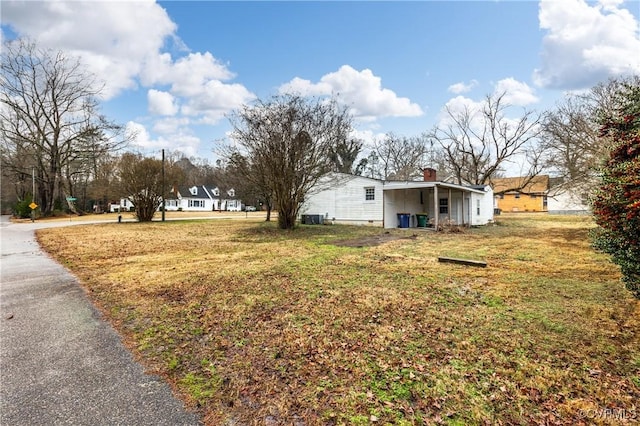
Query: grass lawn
[(253, 325)]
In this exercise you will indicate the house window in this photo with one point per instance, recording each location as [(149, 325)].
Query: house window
[(533, 196), (444, 206), (231, 192), (501, 196), (544, 201), (196, 203), (216, 192), (517, 195), (478, 207), (369, 194)]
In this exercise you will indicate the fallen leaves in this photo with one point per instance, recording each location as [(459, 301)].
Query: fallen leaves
[(295, 330)]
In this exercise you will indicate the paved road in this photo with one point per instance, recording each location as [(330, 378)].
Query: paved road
[(60, 363)]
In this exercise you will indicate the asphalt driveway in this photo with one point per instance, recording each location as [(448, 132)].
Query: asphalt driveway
[(60, 363)]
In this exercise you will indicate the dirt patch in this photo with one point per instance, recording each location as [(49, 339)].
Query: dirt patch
[(373, 240)]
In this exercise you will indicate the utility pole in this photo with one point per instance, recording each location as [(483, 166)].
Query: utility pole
[(33, 193), (163, 191)]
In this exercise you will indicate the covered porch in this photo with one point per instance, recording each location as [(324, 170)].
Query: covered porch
[(441, 203)]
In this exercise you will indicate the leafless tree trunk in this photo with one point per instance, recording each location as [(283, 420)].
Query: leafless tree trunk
[(140, 180), (345, 155), (287, 142), (401, 157), (574, 150), (50, 111), (478, 145)]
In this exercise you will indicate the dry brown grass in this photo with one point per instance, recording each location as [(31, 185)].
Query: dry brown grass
[(253, 325)]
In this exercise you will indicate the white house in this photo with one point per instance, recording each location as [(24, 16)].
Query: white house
[(228, 204), (124, 205), (347, 199), (201, 198), (569, 198), (351, 199), (191, 199)]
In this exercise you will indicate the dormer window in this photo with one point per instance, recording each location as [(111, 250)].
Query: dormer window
[(231, 192), (216, 192), (193, 190)]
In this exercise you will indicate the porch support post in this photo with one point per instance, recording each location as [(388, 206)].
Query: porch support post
[(450, 207), (462, 193), (436, 206)]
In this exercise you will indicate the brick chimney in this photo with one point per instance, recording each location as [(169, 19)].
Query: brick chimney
[(429, 174)]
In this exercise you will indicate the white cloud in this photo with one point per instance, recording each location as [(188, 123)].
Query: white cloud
[(161, 103), (585, 44), (139, 135), (112, 40), (181, 140), (516, 92), (459, 105), (362, 91), (123, 44), (188, 74), (368, 137), (170, 125), (215, 99), (462, 87)]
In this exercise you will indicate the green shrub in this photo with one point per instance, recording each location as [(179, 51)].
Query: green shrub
[(616, 205), (22, 209)]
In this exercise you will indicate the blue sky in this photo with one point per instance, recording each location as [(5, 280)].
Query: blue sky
[(174, 70)]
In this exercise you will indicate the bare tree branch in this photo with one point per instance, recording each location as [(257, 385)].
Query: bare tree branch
[(478, 145), (49, 112), (288, 142)]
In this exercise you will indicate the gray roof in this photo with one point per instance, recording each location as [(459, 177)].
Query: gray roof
[(201, 193)]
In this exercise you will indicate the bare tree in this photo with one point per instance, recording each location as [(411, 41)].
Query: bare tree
[(345, 155), (140, 181), (49, 116), (249, 183), (574, 150), (288, 141), (103, 187), (400, 157), (479, 144)]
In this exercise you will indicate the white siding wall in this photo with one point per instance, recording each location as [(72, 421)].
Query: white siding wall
[(405, 201), (566, 202), (486, 207), (409, 201), (207, 207), (343, 201), (171, 205)]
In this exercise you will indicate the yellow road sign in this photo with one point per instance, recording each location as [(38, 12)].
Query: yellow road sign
[(33, 206)]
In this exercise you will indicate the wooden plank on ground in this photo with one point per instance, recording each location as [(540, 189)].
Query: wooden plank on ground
[(466, 262)]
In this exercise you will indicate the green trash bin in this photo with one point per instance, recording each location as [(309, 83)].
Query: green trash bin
[(422, 220)]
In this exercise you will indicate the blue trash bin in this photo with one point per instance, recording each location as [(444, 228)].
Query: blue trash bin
[(403, 220)]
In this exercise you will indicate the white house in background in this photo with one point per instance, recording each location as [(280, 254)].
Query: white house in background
[(124, 205), (191, 199), (230, 204), (342, 198), (568, 198), (202, 198)]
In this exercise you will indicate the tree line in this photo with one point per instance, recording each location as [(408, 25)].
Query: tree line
[(57, 147)]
